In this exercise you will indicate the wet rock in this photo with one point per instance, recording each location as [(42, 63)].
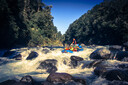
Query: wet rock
[(94, 63), (74, 64), (80, 80), (20, 83), (9, 53), (73, 83), (75, 60), (47, 83), (45, 51), (116, 74), (115, 48), (117, 83), (52, 69), (27, 80), (8, 82), (49, 64), (101, 54), (100, 70), (126, 45), (123, 66), (32, 55), (59, 78), (121, 55), (63, 79), (18, 57)]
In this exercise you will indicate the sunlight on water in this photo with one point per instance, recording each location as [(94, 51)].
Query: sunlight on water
[(18, 69)]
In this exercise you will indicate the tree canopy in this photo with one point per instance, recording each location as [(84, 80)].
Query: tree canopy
[(26, 23), (104, 24)]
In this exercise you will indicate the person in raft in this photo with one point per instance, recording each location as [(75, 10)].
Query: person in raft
[(74, 41), (73, 46)]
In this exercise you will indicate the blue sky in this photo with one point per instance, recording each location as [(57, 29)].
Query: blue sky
[(66, 12)]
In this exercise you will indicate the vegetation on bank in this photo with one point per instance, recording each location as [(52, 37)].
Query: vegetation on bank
[(27, 23), (104, 24)]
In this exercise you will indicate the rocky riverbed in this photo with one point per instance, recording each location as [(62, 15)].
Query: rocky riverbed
[(96, 65)]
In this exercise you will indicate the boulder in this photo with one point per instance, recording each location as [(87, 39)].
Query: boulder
[(27, 80), (8, 82), (117, 83), (47, 83), (115, 48), (100, 70), (45, 51), (123, 66), (52, 69), (9, 53), (32, 55), (63, 79), (59, 77), (74, 64), (18, 57), (80, 80), (116, 74), (75, 60), (94, 63), (101, 54), (121, 55), (49, 65), (126, 45)]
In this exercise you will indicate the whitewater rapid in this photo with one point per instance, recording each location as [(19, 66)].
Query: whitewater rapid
[(16, 69)]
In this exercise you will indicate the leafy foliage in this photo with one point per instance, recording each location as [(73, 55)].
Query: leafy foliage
[(26, 23), (106, 23)]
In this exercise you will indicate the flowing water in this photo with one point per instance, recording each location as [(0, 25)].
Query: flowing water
[(16, 69)]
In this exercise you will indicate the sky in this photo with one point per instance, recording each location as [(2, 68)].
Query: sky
[(66, 12)]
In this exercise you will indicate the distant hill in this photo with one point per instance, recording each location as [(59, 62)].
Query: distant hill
[(104, 24), (26, 23)]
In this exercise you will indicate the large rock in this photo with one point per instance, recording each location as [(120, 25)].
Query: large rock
[(9, 53), (115, 48), (112, 72), (121, 55), (8, 82), (116, 74), (63, 79), (49, 65), (101, 54), (27, 80), (45, 51), (18, 57), (75, 60), (94, 63), (80, 80), (59, 78), (123, 66), (32, 55), (100, 70), (117, 83), (126, 45), (47, 83)]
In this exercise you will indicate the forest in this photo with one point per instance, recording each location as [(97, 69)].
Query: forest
[(105, 24), (27, 23)]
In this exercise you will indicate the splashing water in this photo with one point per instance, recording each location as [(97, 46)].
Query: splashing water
[(16, 69)]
